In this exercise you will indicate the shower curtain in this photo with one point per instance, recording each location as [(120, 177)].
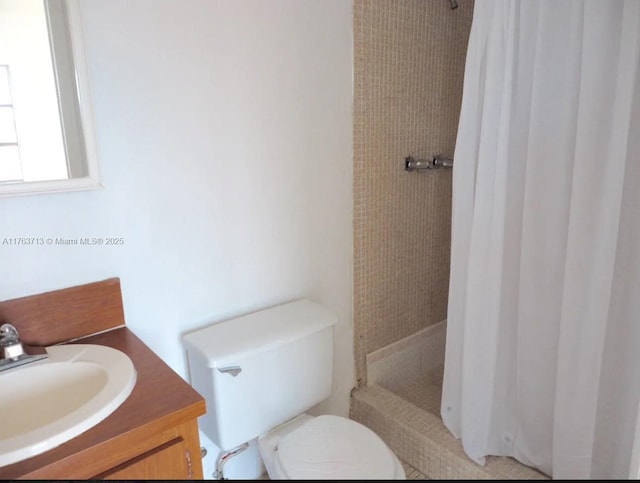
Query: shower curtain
[(543, 338)]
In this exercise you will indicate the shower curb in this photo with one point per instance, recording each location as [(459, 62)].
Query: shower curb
[(421, 439)]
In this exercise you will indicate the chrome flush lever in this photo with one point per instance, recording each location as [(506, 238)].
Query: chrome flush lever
[(233, 370)]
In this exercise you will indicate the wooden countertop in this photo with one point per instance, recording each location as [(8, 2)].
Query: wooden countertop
[(160, 400)]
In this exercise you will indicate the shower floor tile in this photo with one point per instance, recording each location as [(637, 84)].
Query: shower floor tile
[(424, 391), (412, 473), (408, 419)]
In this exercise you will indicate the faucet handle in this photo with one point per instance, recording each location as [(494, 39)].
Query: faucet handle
[(8, 335), (10, 345)]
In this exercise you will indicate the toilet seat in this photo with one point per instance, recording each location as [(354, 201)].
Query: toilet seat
[(333, 447)]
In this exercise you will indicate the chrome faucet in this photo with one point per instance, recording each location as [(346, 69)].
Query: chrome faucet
[(12, 352), (10, 342)]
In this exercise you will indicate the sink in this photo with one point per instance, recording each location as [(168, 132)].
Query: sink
[(46, 403)]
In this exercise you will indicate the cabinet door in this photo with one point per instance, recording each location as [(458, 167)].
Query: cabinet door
[(171, 461)]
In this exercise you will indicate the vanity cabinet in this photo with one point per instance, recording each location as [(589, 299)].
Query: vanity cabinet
[(172, 460), (153, 435)]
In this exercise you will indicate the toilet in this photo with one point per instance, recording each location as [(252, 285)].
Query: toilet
[(259, 373)]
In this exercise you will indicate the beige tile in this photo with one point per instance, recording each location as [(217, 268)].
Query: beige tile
[(416, 434), (406, 360), (412, 473), (408, 72)]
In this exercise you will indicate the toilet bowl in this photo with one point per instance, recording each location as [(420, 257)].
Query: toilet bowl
[(327, 448)]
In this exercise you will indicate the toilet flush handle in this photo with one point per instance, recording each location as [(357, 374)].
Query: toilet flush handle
[(233, 370)]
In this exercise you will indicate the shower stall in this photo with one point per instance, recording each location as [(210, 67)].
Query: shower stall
[(522, 195), (409, 58)]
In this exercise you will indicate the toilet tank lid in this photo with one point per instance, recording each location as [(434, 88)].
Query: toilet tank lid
[(234, 339)]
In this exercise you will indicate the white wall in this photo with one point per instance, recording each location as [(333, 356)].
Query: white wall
[(224, 133)]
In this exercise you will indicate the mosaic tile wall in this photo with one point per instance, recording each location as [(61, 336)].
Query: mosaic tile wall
[(408, 71)]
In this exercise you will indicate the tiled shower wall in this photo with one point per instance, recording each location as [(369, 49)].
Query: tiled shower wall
[(409, 65)]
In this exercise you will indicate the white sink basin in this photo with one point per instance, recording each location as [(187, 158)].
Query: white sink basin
[(49, 402)]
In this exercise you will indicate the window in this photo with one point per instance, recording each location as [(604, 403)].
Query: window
[(10, 167), (47, 140), (31, 138)]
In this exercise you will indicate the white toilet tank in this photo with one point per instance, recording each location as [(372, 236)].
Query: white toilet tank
[(262, 369)]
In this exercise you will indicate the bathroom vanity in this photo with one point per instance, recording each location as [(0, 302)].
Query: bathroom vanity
[(152, 435)]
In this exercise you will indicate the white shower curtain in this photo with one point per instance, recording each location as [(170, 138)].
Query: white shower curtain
[(543, 342)]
